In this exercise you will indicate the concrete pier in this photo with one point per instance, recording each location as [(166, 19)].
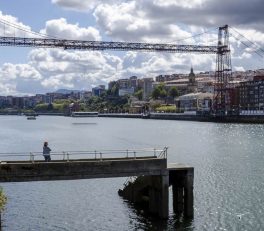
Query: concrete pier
[(150, 185), (152, 191), (80, 169)]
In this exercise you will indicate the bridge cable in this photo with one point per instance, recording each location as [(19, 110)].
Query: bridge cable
[(253, 43), (248, 46), (5, 22), (196, 35)]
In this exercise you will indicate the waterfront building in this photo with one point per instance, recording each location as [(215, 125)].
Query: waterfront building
[(251, 95), (198, 101), (126, 91), (29, 102), (137, 106), (4, 102), (18, 102)]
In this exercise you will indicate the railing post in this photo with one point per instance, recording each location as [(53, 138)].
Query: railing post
[(127, 153), (63, 155), (155, 152), (95, 156), (101, 157), (68, 158), (135, 157), (166, 153), (31, 157)]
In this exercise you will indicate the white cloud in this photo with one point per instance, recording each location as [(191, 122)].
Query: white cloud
[(18, 79), (57, 81), (181, 3), (15, 71), (75, 69), (239, 68), (62, 29), (8, 89), (81, 5), (128, 22)]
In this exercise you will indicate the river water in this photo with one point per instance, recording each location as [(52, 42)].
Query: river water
[(228, 182)]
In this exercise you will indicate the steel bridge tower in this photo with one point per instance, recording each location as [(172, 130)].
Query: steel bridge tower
[(223, 74)]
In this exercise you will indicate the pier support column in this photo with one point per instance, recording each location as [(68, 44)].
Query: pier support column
[(177, 195), (188, 193), (159, 196), (164, 197), (153, 208)]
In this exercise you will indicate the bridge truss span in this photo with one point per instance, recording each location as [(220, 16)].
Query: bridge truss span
[(101, 45)]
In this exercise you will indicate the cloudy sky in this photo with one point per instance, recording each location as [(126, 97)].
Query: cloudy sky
[(29, 70)]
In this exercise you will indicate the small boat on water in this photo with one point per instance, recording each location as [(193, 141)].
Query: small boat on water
[(31, 117)]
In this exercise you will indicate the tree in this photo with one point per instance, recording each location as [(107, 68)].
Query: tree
[(156, 93), (159, 91), (41, 107), (173, 92), (50, 107), (139, 94), (3, 200)]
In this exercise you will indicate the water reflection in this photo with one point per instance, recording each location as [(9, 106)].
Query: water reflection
[(141, 220)]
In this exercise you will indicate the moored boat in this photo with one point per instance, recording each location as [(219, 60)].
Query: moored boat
[(31, 117)]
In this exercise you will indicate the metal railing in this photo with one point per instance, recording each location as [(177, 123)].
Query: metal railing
[(99, 155)]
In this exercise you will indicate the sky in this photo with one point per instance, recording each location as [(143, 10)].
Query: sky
[(27, 71)]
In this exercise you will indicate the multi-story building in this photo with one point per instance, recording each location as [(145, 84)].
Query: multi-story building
[(251, 94), (147, 87), (98, 91), (126, 86), (123, 83), (127, 91), (111, 84), (18, 102), (164, 78), (85, 95), (133, 82), (29, 102), (195, 102), (5, 101)]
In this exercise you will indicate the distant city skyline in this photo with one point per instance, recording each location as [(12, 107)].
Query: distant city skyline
[(29, 71)]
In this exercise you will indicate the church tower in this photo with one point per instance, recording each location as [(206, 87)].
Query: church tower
[(191, 77), (192, 85)]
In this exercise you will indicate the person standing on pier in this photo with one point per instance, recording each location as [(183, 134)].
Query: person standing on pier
[(46, 152)]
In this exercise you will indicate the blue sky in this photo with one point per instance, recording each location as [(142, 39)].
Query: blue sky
[(26, 71)]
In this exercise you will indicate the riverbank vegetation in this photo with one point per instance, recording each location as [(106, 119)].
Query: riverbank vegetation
[(3, 200)]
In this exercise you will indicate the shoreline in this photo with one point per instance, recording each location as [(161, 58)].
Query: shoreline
[(249, 119), (259, 119)]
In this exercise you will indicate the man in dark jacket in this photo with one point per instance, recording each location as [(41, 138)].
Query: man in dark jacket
[(46, 152)]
